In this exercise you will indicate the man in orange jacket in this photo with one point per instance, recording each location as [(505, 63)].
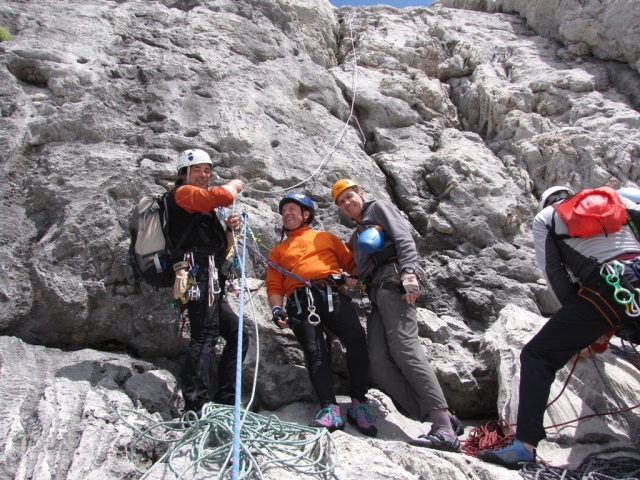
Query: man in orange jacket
[(307, 268)]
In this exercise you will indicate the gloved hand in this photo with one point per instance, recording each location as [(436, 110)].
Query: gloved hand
[(411, 286), (181, 283), (279, 315)]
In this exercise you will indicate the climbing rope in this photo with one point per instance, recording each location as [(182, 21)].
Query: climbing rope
[(496, 434), (218, 440), (237, 425), (206, 442), (603, 465), (492, 435)]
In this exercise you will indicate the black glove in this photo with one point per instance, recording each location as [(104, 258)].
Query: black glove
[(279, 314)]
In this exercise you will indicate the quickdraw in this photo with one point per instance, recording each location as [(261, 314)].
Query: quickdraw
[(310, 306), (613, 272), (193, 294), (214, 285)]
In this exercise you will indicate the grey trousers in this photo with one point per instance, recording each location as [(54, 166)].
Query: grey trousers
[(397, 362)]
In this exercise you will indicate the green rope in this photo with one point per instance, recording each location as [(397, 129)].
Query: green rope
[(266, 442)]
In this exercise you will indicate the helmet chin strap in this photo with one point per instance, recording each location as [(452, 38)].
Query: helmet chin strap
[(188, 175)]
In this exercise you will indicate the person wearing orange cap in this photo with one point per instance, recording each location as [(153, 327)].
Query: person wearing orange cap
[(386, 257)]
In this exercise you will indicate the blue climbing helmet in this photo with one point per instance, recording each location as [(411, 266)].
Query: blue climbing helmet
[(371, 240), (630, 193), (305, 203)]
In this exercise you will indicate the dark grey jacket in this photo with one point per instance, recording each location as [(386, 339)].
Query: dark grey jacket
[(396, 229)]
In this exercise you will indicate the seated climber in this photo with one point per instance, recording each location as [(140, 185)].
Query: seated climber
[(398, 362), (577, 270), (307, 268)]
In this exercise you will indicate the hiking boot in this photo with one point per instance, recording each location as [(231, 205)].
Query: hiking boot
[(359, 414), (329, 418), (456, 424), (513, 456), (438, 441)]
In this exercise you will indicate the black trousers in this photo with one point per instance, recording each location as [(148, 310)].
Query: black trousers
[(344, 323), (575, 326), (207, 325)]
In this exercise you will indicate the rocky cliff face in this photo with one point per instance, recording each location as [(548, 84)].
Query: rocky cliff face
[(461, 113)]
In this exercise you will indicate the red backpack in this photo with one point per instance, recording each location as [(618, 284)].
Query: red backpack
[(595, 211)]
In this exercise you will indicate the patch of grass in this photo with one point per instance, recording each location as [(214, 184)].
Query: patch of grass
[(5, 35)]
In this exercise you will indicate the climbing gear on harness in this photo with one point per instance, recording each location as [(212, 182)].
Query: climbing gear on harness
[(613, 274), (371, 239), (513, 456), (314, 318), (340, 186), (329, 418), (183, 318), (214, 286), (552, 195)]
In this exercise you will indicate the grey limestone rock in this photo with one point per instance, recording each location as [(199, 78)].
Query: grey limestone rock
[(461, 114)]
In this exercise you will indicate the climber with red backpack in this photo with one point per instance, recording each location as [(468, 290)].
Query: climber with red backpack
[(588, 246)]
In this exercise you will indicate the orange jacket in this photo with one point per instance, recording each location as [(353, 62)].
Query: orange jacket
[(195, 199), (308, 254)]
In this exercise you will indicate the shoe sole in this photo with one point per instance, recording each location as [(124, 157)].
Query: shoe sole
[(331, 429), (426, 444)]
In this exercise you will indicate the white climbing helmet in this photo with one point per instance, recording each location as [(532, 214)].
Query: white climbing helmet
[(191, 157), (545, 198)]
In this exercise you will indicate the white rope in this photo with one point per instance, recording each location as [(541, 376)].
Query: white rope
[(332, 150)]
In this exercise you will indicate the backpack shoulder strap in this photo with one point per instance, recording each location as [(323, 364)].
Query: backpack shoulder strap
[(165, 224), (552, 228), (632, 223)]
